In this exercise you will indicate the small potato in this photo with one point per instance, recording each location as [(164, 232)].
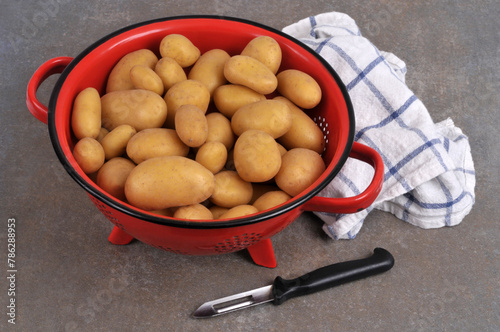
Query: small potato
[(112, 176), (304, 133), (256, 156), (299, 169), (219, 130), (250, 72), (260, 189), (230, 190), (212, 155), (271, 199), (155, 142), (138, 108), (170, 72), (115, 143), (143, 77), (299, 87), (265, 49), (230, 97), (89, 155), (218, 211), (209, 69), (164, 182), (271, 116), (193, 212), (103, 132), (179, 48), (239, 211), (119, 77), (191, 125), (86, 116), (188, 92)]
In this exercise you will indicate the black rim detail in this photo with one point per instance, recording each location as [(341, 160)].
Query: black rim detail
[(188, 224)]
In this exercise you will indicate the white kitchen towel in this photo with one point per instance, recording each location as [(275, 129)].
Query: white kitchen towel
[(429, 174)]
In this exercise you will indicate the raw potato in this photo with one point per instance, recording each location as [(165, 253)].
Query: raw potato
[(164, 182), (89, 155), (304, 132), (299, 169), (115, 143), (218, 211), (250, 72), (219, 130), (299, 87), (193, 212), (179, 48), (256, 156), (265, 49), (230, 97), (271, 199), (103, 132), (271, 116), (191, 125), (209, 69), (138, 108), (212, 155), (188, 92), (112, 176), (239, 211), (143, 77), (230, 190), (119, 78), (155, 142), (170, 72), (86, 116)]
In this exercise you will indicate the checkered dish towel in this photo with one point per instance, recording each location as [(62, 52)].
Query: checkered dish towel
[(429, 175)]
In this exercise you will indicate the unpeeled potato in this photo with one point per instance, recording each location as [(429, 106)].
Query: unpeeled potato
[(265, 49), (119, 77), (179, 48), (112, 176), (188, 92)]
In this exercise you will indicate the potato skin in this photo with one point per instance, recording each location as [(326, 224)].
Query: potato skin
[(239, 211), (229, 98), (271, 199), (219, 130), (119, 77), (299, 87), (299, 169), (250, 72), (265, 49), (212, 155), (191, 125), (86, 115), (115, 142), (138, 108), (193, 212), (89, 155), (271, 116), (209, 69), (179, 48), (304, 133), (143, 77), (188, 92), (256, 156), (171, 181), (112, 176), (230, 190), (170, 72), (155, 142)]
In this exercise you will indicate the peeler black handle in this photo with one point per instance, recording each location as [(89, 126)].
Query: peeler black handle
[(332, 275)]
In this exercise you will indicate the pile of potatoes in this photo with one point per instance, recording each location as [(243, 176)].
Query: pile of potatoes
[(201, 136)]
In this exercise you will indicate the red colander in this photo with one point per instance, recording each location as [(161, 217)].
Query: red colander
[(334, 115)]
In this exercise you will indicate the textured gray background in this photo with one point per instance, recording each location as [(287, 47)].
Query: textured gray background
[(71, 278)]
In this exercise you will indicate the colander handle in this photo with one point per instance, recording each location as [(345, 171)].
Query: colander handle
[(49, 68), (359, 202)]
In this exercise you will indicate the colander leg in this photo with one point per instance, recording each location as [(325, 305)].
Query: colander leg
[(118, 236), (262, 253)]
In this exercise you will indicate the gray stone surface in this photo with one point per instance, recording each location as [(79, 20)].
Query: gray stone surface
[(71, 278)]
